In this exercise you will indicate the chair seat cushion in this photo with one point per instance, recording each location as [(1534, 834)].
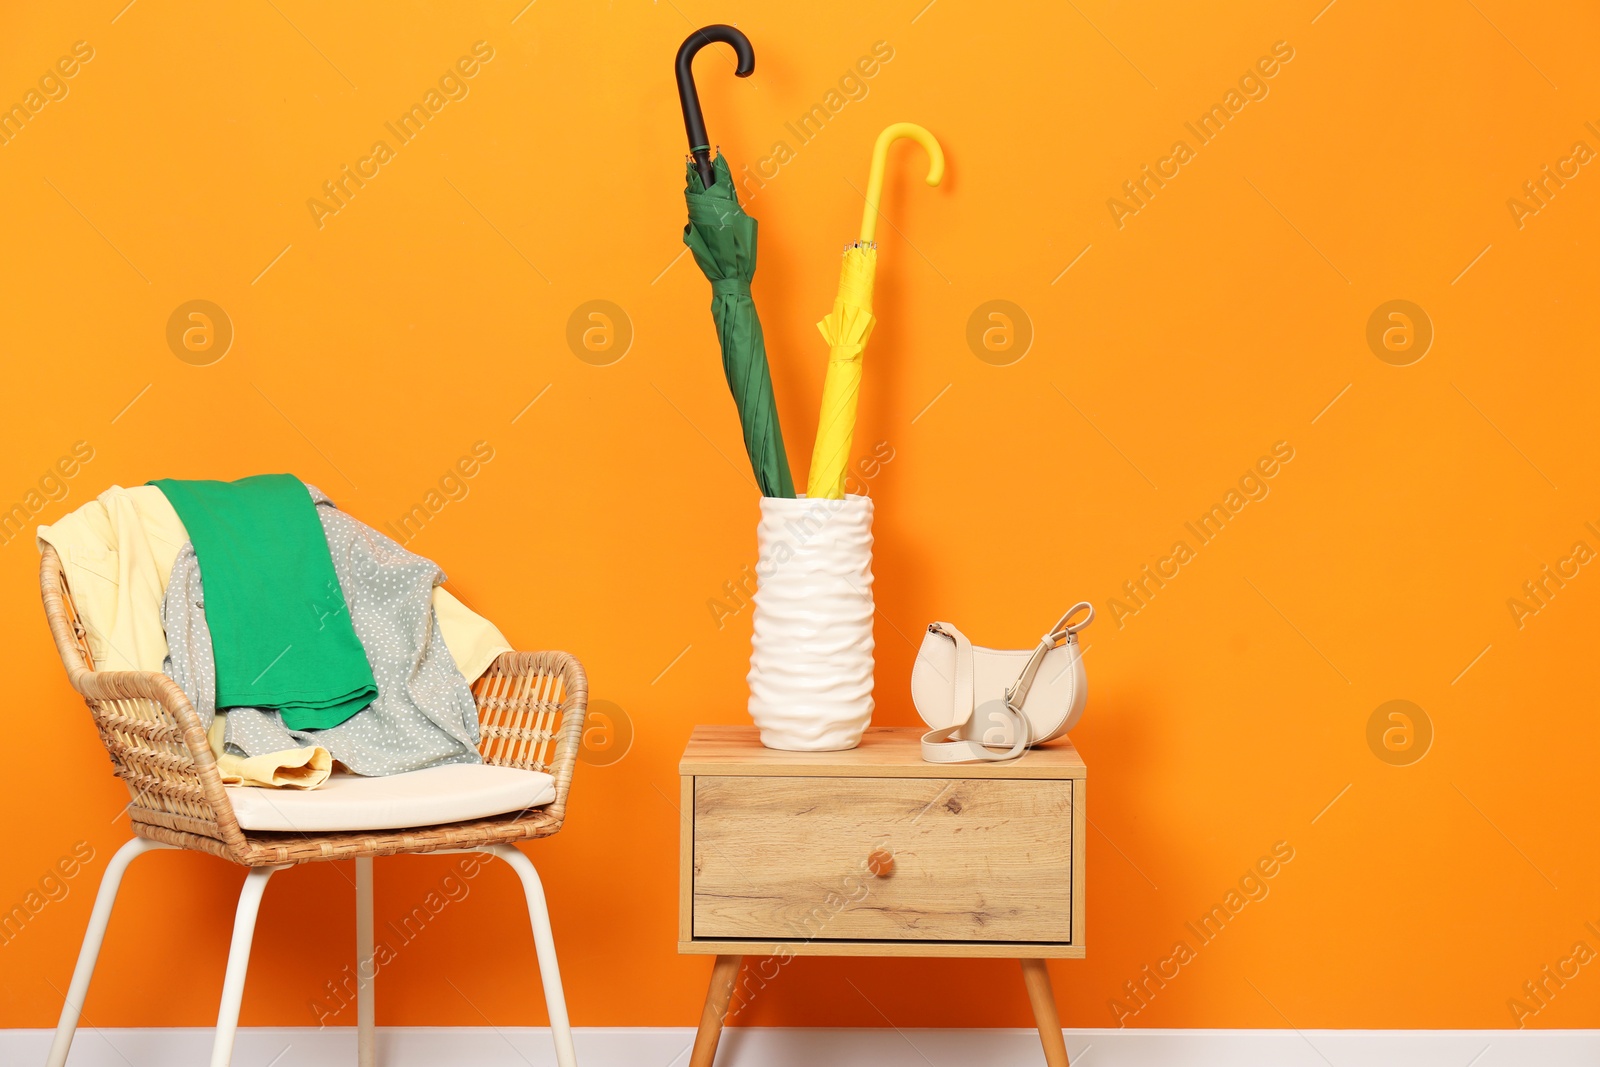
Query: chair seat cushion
[(452, 793)]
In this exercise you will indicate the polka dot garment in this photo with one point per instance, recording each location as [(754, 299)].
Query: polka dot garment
[(424, 714)]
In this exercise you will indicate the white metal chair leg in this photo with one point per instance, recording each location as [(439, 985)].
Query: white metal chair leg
[(366, 968), (544, 944), (244, 930), (99, 919)]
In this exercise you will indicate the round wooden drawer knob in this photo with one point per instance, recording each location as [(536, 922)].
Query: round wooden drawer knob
[(881, 863)]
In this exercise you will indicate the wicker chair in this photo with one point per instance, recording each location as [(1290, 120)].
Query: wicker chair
[(530, 705)]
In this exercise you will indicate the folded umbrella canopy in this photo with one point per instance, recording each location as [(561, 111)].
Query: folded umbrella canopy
[(723, 240), (847, 327)]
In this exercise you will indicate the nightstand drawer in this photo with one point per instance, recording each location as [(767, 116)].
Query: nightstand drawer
[(786, 859)]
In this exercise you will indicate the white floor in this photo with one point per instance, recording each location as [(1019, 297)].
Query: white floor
[(763, 1047)]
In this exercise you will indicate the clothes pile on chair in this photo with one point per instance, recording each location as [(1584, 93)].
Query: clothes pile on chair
[(300, 635)]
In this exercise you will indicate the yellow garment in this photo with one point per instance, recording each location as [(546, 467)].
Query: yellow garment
[(473, 641), (117, 554), (293, 768)]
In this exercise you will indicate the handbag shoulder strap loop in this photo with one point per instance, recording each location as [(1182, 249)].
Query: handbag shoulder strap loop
[(1063, 630), (1063, 626)]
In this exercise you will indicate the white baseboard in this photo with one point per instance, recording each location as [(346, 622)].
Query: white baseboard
[(428, 1046)]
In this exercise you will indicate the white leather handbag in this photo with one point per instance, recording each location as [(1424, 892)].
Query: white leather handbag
[(991, 704)]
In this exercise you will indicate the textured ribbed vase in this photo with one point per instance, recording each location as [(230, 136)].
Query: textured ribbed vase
[(811, 653)]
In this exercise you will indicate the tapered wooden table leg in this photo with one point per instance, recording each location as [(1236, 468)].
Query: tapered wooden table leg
[(716, 1009), (1044, 1012)]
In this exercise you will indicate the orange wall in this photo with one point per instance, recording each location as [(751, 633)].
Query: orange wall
[(1185, 342)]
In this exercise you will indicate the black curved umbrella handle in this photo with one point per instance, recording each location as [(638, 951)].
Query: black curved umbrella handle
[(693, 120)]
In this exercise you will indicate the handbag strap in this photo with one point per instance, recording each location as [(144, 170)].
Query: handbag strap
[(1064, 629), (964, 687), (941, 745)]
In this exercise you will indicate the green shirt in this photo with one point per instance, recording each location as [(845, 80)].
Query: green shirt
[(279, 624)]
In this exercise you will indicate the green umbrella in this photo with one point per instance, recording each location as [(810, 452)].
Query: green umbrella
[(723, 240)]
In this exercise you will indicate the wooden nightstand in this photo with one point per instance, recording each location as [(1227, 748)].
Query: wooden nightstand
[(872, 852)]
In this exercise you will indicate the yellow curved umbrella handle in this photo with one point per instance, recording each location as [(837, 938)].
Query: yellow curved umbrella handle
[(880, 157)]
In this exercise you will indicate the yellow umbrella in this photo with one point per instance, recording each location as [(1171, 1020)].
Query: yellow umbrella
[(847, 327)]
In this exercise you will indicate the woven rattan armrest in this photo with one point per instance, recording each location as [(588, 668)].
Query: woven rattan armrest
[(158, 747)]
